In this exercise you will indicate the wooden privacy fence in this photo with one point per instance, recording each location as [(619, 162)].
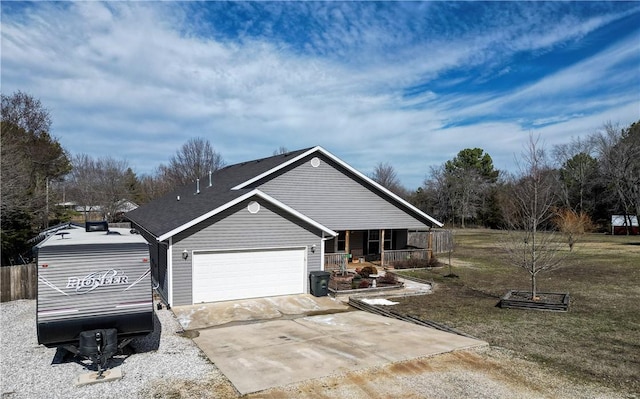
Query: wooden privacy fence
[(440, 241), (18, 282), (404, 254)]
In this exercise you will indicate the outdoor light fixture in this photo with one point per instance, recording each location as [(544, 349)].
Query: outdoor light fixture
[(313, 249), (185, 254)]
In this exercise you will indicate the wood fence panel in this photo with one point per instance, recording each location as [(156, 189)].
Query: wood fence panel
[(441, 240), (18, 282)]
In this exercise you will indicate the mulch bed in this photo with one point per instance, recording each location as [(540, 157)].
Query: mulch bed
[(338, 282)]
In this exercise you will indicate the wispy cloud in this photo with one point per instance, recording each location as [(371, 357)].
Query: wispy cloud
[(407, 83)]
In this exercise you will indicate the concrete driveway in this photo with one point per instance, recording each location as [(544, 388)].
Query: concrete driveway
[(274, 353)]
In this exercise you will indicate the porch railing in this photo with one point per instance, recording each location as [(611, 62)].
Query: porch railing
[(335, 261), (404, 254)]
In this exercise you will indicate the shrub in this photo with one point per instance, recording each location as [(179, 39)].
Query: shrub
[(416, 263), (367, 271), (433, 262), (364, 284), (388, 278)]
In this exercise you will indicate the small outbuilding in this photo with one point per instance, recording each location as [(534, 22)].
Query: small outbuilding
[(259, 228), (624, 224)]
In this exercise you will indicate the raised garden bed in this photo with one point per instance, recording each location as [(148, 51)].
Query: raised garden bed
[(353, 283), (551, 301)]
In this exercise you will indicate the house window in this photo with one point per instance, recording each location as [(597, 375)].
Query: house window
[(342, 239), (373, 242), (388, 239)]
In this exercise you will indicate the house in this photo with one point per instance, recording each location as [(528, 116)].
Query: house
[(98, 212), (619, 224), (259, 228)]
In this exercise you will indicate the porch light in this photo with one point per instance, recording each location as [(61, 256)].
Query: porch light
[(185, 254), (313, 249)]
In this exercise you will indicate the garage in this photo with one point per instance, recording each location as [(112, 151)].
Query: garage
[(230, 275)]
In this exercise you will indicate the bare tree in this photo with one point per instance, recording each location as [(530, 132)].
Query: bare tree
[(98, 185), (153, 186), (281, 150), (111, 186), (39, 156), (195, 159), (385, 175), (434, 197), (31, 159), (619, 155), (15, 171), (578, 173), (23, 110), (81, 183), (529, 212)]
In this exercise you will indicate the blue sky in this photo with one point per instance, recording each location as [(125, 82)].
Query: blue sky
[(408, 83)]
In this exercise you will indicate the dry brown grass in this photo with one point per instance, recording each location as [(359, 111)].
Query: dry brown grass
[(597, 341)]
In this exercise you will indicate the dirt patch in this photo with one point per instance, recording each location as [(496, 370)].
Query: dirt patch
[(187, 389), (455, 262), (190, 334), (483, 373)]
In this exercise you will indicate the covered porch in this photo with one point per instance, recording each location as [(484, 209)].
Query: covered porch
[(381, 246)]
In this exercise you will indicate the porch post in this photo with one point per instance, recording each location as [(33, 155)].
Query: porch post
[(347, 249), (382, 248)]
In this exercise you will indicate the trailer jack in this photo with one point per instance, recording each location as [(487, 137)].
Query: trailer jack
[(98, 346)]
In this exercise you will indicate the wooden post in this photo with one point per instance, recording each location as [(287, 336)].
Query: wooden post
[(382, 248), (429, 245), (347, 248)]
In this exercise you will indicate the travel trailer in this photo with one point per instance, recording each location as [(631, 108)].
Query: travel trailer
[(94, 290)]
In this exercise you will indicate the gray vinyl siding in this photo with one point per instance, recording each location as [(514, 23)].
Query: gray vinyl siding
[(59, 299), (333, 197), (237, 228), (158, 263)]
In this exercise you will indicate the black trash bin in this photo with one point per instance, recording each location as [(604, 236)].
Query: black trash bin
[(319, 283)]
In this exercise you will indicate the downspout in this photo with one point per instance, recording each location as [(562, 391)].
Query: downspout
[(323, 240), (382, 248), (170, 272)]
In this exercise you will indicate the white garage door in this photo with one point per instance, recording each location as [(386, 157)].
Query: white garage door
[(224, 276)]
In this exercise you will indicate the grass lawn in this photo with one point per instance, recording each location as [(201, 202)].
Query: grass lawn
[(598, 340)]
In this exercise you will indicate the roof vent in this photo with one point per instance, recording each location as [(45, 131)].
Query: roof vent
[(96, 226), (197, 186), (210, 182), (178, 198)]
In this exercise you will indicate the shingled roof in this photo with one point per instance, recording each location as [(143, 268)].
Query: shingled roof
[(167, 213), (184, 207)]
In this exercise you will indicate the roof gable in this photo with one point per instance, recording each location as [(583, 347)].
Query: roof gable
[(357, 175), (241, 198), (186, 203), (195, 202)]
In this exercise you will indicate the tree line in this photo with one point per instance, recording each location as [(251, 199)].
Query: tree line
[(39, 176), (593, 177), (590, 178)]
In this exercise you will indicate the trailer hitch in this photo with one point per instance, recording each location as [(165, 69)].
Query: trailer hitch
[(99, 346)]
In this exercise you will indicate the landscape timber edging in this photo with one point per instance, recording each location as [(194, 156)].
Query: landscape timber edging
[(512, 303)]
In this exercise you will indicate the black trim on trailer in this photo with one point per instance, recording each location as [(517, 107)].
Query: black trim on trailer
[(67, 332)]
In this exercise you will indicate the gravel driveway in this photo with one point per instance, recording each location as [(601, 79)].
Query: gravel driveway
[(164, 359), (168, 365)]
